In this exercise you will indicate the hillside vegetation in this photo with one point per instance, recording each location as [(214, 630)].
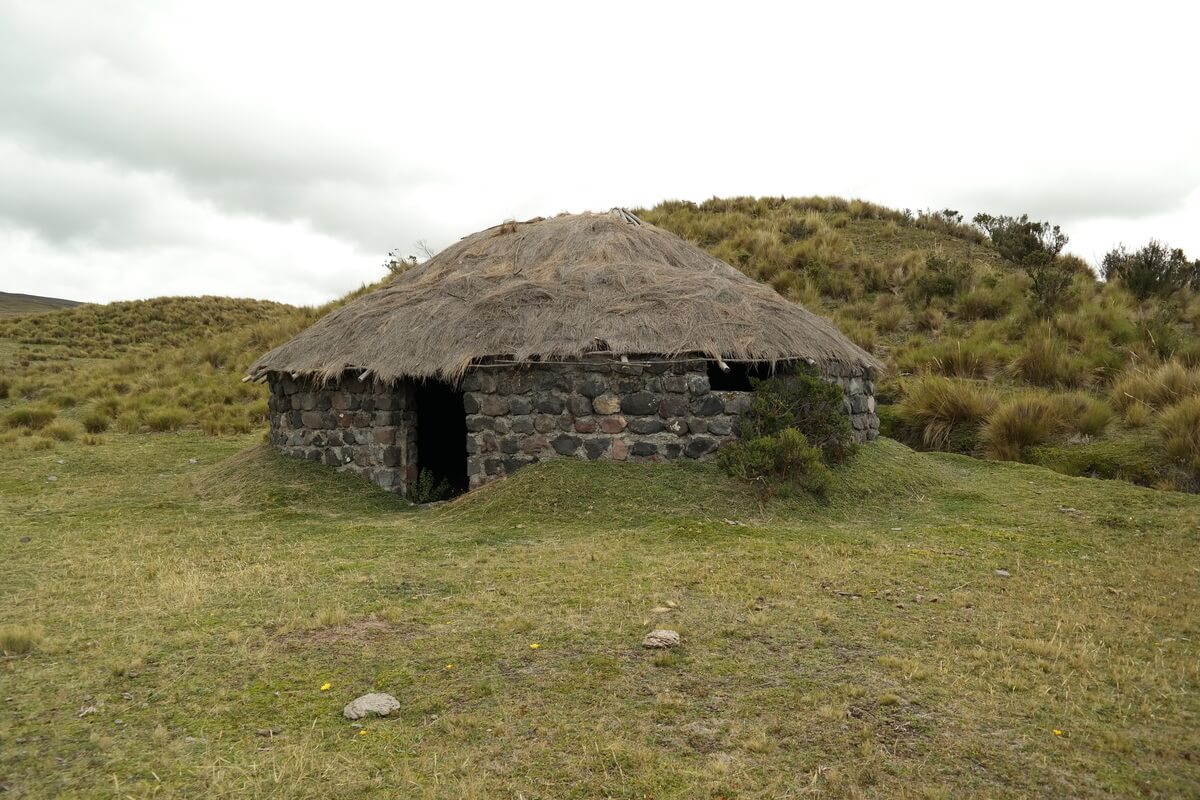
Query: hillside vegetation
[(15, 304), (1086, 377), (186, 616), (1094, 378)]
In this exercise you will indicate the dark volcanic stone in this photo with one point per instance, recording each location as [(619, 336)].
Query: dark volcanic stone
[(549, 404), (644, 448), (639, 403), (700, 445), (567, 445), (596, 447), (470, 404), (672, 406), (707, 405), (522, 425), (720, 427), (579, 406), (519, 405), (510, 444), (645, 425), (592, 386)]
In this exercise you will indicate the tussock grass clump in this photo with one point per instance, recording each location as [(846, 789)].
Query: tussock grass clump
[(63, 430), (166, 419), (1045, 362), (1139, 393), (94, 420), (1020, 423), (17, 640), (1081, 413), (32, 416), (945, 411), (1179, 427)]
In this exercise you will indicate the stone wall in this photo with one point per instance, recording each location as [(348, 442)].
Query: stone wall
[(858, 390), (365, 428), (649, 411), (623, 412)]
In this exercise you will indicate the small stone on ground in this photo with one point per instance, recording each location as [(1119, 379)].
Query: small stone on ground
[(374, 704), (661, 639), (1002, 573)]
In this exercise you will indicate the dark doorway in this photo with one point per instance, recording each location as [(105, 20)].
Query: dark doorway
[(737, 379), (442, 434)]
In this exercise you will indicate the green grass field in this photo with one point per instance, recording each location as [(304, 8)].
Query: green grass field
[(857, 646)]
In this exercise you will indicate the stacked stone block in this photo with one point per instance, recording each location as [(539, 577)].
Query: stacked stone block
[(623, 412), (858, 392), (356, 426), (516, 415)]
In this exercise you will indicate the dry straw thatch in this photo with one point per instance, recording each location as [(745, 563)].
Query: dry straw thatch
[(560, 289)]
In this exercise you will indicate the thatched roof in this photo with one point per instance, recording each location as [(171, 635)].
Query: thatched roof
[(559, 289)]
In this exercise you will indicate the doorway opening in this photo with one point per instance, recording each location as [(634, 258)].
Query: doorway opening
[(737, 379), (442, 435)]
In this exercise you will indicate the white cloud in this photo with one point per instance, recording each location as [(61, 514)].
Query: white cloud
[(280, 149)]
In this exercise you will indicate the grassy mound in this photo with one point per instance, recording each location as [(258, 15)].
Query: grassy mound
[(260, 478)]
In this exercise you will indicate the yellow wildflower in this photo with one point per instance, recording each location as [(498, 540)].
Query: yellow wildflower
[(1057, 732), (326, 686), (362, 733), (534, 646), (449, 666)]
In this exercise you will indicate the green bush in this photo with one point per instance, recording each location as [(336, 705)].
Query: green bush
[(797, 397), (31, 416), (941, 278), (777, 464), (1156, 269)]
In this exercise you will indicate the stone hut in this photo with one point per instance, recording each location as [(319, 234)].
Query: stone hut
[(580, 336)]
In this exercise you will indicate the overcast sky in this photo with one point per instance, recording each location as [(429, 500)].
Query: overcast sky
[(279, 150)]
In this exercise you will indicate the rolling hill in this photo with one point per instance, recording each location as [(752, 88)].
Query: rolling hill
[(21, 304)]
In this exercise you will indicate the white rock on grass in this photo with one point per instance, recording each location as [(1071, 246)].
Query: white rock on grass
[(661, 639), (374, 704)]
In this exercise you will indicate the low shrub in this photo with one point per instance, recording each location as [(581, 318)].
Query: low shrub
[(34, 417), (796, 397), (942, 277), (947, 412), (777, 465), (129, 422), (1020, 423), (5, 385)]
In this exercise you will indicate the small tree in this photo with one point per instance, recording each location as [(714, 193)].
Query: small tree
[(1036, 248), (1156, 269)]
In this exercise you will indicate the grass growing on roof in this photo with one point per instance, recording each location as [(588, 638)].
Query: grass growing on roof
[(824, 651)]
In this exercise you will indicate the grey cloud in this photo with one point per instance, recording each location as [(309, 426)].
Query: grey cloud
[(1075, 197), (100, 97)]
